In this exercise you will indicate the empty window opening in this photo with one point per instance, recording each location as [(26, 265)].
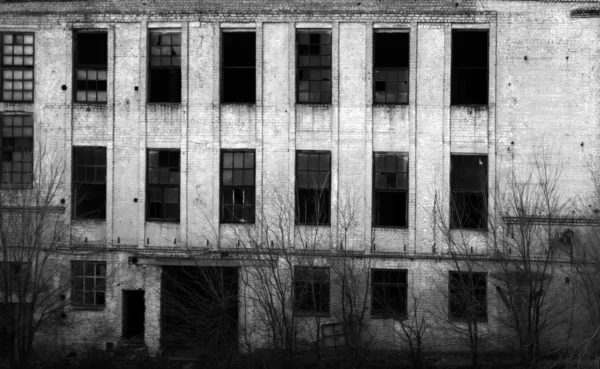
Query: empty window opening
[(89, 182), (313, 52), (388, 288), (468, 186), (470, 75), (163, 185), (468, 295), (134, 310), (91, 59), (390, 67), (165, 67), (313, 187), (311, 290), (89, 283), (390, 190), (16, 149), (17, 51), (237, 186), (239, 67)]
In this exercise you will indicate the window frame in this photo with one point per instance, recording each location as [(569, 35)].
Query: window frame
[(223, 67), (161, 32), (376, 313), (454, 78), (480, 317), (162, 187), (223, 187), (320, 192), (325, 285), (88, 67), (22, 67), (397, 69), (75, 181), (484, 193), (82, 304), (12, 149), (375, 207), (319, 68)]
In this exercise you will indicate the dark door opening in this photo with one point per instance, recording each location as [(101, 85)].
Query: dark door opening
[(134, 309)]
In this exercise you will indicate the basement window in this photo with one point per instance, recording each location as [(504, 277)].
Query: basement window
[(468, 295), (313, 187), (390, 67), (388, 292), (91, 60), (164, 73), (17, 51), (468, 186), (313, 66), (238, 81), (237, 186), (311, 290), (16, 149), (390, 190), (89, 182), (89, 283), (470, 74), (163, 185)]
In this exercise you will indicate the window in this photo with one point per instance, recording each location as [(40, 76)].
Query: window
[(91, 59), (388, 288), (468, 296), (17, 66), (469, 67), (390, 190), (89, 182), (390, 67), (468, 186), (14, 276), (313, 52), (313, 183), (238, 81), (311, 290), (237, 187), (164, 75), (163, 185), (89, 283), (17, 149)]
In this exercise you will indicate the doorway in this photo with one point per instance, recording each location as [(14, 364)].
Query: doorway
[(134, 309)]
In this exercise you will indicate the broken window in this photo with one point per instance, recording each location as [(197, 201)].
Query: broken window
[(311, 290), (313, 184), (390, 189), (16, 149), (89, 182), (91, 59), (468, 295), (470, 73), (237, 186), (164, 74), (313, 52), (89, 283), (238, 81), (390, 67), (17, 66), (163, 185), (388, 292), (468, 186)]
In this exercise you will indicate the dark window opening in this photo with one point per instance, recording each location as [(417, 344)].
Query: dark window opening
[(390, 187), (390, 67), (134, 309), (165, 67), (470, 75), (14, 276), (468, 186), (237, 186), (468, 295), (163, 185), (89, 283), (16, 58), (388, 288), (16, 149), (89, 182), (313, 184), (311, 290), (239, 67), (91, 60), (313, 66)]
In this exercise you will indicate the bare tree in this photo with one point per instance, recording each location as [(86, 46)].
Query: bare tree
[(413, 330)]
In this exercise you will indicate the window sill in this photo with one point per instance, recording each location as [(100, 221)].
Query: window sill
[(236, 223), (405, 227), (314, 105), (474, 106), (89, 220), (248, 104), (386, 105), (88, 307), (173, 221), (90, 104)]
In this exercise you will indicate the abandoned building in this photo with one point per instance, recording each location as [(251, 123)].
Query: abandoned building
[(211, 142)]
